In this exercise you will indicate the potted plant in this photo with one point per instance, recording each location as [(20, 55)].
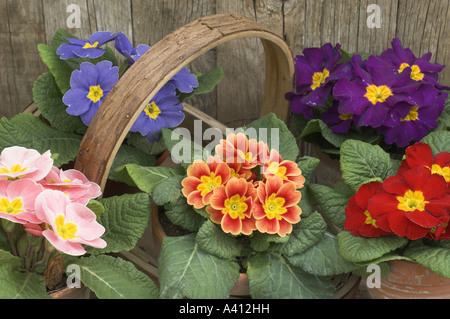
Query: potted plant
[(245, 216), (394, 214), (392, 100), (80, 75), (50, 220)]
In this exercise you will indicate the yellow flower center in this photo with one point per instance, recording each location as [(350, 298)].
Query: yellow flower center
[(377, 94), (16, 168), (444, 171), (273, 207), (319, 78), (88, 45), (95, 93), (209, 183), (411, 201), (235, 206), (248, 157), (65, 230), (345, 117), (11, 208), (370, 220), (152, 110), (412, 115), (416, 75), (276, 169)]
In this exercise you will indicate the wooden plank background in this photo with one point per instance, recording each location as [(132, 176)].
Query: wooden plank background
[(422, 25)]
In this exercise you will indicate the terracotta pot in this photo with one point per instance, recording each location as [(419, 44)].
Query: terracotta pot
[(72, 293), (408, 280), (346, 284)]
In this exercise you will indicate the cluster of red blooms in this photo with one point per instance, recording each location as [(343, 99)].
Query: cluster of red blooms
[(240, 198), (415, 203)]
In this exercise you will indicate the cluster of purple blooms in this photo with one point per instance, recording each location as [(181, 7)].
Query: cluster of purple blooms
[(395, 93), (92, 83)]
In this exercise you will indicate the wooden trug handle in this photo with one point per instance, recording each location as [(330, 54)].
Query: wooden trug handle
[(159, 64)]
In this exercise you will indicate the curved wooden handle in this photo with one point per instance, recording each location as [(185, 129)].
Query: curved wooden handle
[(158, 65)]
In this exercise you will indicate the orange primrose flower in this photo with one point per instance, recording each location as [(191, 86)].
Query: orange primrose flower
[(202, 178), (231, 206), (276, 209), (287, 170), (245, 151)]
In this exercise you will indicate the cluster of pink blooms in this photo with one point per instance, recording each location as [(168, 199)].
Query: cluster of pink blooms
[(49, 201)]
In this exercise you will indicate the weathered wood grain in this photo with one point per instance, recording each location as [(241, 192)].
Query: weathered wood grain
[(422, 25)]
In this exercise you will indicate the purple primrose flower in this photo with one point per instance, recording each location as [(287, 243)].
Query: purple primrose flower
[(426, 105), (90, 48), (376, 94), (88, 88), (421, 68), (315, 71), (338, 123)]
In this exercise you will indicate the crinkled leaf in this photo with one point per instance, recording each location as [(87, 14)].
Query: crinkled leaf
[(308, 164), (323, 259), (439, 141), (305, 234), (147, 177), (213, 240), (126, 155), (168, 190), (275, 133), (332, 203), (125, 219), (272, 277), (184, 215), (115, 278), (187, 271), (435, 258), (48, 99), (362, 162), (360, 249), (182, 149), (29, 131), (206, 83)]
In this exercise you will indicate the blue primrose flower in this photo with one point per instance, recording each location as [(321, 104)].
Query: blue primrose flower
[(163, 111), (89, 48), (184, 81), (88, 88)]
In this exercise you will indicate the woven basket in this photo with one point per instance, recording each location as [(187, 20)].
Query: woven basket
[(153, 70)]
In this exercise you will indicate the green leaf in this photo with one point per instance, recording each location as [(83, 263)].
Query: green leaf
[(275, 133), (307, 233), (319, 126), (9, 261), (48, 99), (182, 149), (439, 141), (272, 277), (308, 164), (323, 259), (362, 163), (114, 278), (212, 240), (168, 190), (125, 218), (146, 178), (29, 131), (18, 285), (125, 155), (184, 215), (96, 206), (360, 249), (206, 83), (443, 121), (58, 67), (434, 258), (332, 203), (187, 271)]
